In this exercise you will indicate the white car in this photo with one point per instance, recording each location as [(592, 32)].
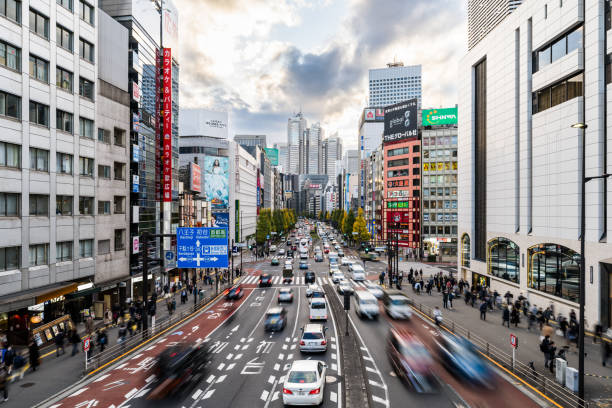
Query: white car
[(337, 276), (272, 248), (366, 304), (358, 276), (356, 267), (305, 383), (346, 261), (312, 288), (281, 251), (374, 289)]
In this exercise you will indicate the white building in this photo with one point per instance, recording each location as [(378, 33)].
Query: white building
[(520, 161), (332, 151), (296, 127), (394, 84), (314, 134), (245, 192), (282, 156), (485, 15)]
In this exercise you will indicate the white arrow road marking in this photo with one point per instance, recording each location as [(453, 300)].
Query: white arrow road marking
[(221, 379), (238, 356), (208, 394), (102, 378), (264, 395), (235, 329), (229, 356), (196, 394), (333, 397)]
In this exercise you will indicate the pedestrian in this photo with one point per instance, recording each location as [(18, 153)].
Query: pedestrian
[(89, 325), (173, 305), (515, 316), (572, 315), (34, 354), (4, 374), (483, 310), (9, 358), (605, 352), (381, 278), (506, 317), (451, 295), (598, 332), (545, 346), (563, 325), (59, 343), (122, 334), (102, 339), (75, 340), (445, 300), (540, 318)]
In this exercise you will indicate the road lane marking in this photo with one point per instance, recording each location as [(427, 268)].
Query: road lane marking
[(271, 379), (263, 314), (210, 379), (79, 392), (229, 356), (221, 366), (281, 356), (229, 367), (333, 397), (264, 395), (238, 356), (275, 396), (197, 394), (276, 367), (208, 394), (380, 400), (131, 393), (221, 379), (297, 315), (102, 378)]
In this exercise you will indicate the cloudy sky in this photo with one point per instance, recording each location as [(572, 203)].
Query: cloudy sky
[(263, 60)]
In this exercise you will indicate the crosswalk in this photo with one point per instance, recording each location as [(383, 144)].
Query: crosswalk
[(297, 281), (297, 256)]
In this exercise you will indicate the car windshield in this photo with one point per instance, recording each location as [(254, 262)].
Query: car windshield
[(318, 294), (399, 301), (302, 377), (368, 301), (285, 291), (273, 316), (317, 305), (312, 336)]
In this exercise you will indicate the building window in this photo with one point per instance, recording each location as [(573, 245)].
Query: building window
[(103, 135), (87, 13), (119, 169), (416, 171), (86, 248), (416, 149), (39, 205), (503, 259), (558, 93), (39, 24), (119, 136), (416, 160), (104, 171), (104, 208), (86, 166), (103, 246), (10, 105), (64, 163), (10, 204), (10, 155), (398, 162), (465, 250), (64, 121), (63, 251), (554, 269), (39, 254), (63, 79), (86, 50), (39, 68), (86, 88), (10, 258), (39, 114), (65, 3), (86, 127), (86, 205), (11, 9), (64, 38), (63, 205), (119, 239), (39, 159), (557, 49), (608, 69), (119, 204)]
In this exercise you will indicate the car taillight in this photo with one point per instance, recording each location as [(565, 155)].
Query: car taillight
[(302, 343), (323, 342), (286, 391), (315, 391)]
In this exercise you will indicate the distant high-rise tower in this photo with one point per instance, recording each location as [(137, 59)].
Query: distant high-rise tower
[(296, 127), (332, 152), (282, 155), (394, 84), (485, 15), (313, 150)]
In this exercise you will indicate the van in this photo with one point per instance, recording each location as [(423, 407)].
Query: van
[(396, 304), (366, 304), (318, 309)]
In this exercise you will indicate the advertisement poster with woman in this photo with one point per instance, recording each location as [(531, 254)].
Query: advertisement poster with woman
[(216, 181)]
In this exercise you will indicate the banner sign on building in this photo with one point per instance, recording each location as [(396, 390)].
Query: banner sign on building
[(436, 117), (369, 114), (136, 94), (272, 155), (158, 123), (201, 248), (216, 181), (167, 115), (380, 114), (237, 220), (220, 220), (195, 177), (401, 121)]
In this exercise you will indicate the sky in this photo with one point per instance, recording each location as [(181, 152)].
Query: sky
[(264, 60)]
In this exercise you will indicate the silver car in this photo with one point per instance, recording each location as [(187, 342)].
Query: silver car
[(313, 338)]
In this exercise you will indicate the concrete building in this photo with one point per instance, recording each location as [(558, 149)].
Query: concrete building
[(332, 151), (296, 127), (394, 84), (485, 15), (543, 69), (283, 156), (313, 153), (245, 197), (251, 140), (373, 192), (352, 161)]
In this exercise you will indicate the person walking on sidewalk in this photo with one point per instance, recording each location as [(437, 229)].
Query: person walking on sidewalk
[(483, 310), (545, 347), (445, 299), (59, 343), (506, 317), (74, 340), (4, 380), (102, 339), (34, 354), (515, 316)]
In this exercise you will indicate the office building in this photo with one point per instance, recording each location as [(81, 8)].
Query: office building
[(313, 151), (296, 127), (485, 15), (283, 155), (245, 194), (332, 152), (394, 84), (251, 140), (522, 87)]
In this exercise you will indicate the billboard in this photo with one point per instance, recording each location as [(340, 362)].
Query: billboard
[(369, 114), (195, 177), (216, 181), (167, 115), (379, 114), (170, 27), (401, 121), (436, 117), (272, 155), (203, 122), (220, 220)]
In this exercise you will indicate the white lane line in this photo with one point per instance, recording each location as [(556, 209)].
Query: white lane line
[(221, 366), (238, 356), (229, 356), (79, 392), (339, 395), (268, 400), (380, 400), (132, 392), (119, 367), (333, 397), (370, 369), (297, 314), (271, 379), (246, 346), (208, 394), (151, 348), (229, 367), (221, 379), (334, 339), (281, 356), (285, 347), (197, 394), (150, 378), (276, 367), (289, 356), (334, 366), (263, 314), (293, 346), (210, 379), (237, 347), (275, 396), (377, 384), (102, 378), (264, 395)]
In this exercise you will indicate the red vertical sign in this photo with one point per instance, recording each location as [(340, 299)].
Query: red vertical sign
[(167, 117), (158, 120)]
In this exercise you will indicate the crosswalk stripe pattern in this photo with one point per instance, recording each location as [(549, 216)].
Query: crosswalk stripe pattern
[(298, 281), (297, 256)]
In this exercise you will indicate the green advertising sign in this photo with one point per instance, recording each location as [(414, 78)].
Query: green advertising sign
[(398, 204), (435, 117), (272, 155)]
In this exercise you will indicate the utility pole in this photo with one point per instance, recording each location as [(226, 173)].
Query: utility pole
[(241, 242)]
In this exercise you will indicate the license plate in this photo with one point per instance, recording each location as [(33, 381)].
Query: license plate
[(300, 393)]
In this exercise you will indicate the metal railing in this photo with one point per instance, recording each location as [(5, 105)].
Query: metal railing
[(550, 388), (139, 337)]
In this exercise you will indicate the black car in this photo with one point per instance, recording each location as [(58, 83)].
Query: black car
[(309, 277), (289, 253), (265, 280), (276, 319), (235, 292)]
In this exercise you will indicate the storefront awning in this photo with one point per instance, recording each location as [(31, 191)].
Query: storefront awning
[(57, 293), (35, 296)]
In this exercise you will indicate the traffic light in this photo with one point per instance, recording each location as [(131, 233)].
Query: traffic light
[(250, 246), (367, 250)]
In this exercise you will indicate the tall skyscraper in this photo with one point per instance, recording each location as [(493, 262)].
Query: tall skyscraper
[(485, 15), (296, 127), (282, 155), (332, 152), (313, 150), (394, 84)]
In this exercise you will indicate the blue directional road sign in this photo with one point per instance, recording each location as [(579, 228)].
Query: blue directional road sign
[(201, 248)]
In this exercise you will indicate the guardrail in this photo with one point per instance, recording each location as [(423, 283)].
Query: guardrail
[(553, 390), (126, 347)]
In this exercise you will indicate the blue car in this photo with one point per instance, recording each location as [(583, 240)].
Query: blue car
[(461, 358), (303, 265)]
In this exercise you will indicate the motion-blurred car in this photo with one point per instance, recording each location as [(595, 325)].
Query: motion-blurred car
[(289, 253), (272, 248), (285, 295), (340, 252), (265, 280), (274, 262), (461, 359), (374, 289), (396, 305), (178, 369), (411, 361), (336, 276), (310, 289), (235, 292), (276, 319), (318, 257), (366, 304), (303, 265), (333, 269), (281, 251), (313, 338), (309, 277), (344, 286), (305, 383), (346, 262)]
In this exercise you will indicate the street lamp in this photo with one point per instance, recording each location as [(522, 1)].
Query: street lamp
[(584, 180)]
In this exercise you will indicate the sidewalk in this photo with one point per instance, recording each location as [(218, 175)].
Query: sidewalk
[(56, 373), (598, 381)]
